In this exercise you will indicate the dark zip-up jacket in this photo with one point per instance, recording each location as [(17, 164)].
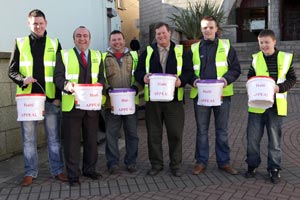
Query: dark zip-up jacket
[(208, 69)]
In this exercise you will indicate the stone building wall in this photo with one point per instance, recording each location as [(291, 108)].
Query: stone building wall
[(10, 131)]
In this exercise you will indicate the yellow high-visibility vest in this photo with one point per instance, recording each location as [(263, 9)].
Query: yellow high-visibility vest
[(72, 73), (26, 64), (221, 65), (284, 61), (178, 54)]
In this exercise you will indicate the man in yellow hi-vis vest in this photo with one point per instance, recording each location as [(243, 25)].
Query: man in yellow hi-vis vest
[(213, 58), (278, 65), (79, 65), (119, 66), (168, 58), (31, 68)]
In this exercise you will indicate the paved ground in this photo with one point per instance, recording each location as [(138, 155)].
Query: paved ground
[(213, 184)]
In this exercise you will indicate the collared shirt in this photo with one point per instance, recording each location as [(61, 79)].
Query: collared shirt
[(86, 53), (163, 55)]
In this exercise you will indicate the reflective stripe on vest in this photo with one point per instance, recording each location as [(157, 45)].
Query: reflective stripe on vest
[(178, 49), (72, 70), (221, 64), (135, 58), (26, 64), (284, 61)]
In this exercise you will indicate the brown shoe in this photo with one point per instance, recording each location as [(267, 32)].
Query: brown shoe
[(198, 169), (61, 177), (27, 181), (229, 169)]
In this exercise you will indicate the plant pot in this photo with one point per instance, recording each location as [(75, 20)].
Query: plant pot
[(187, 44)]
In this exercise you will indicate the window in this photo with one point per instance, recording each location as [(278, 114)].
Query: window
[(120, 5)]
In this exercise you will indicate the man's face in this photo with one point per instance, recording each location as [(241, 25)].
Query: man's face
[(209, 29), (37, 25), (117, 43), (163, 36), (82, 39), (267, 45)]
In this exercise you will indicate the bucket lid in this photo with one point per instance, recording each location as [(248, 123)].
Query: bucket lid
[(32, 95), (264, 77), (119, 90), (162, 74), (89, 84), (209, 81)]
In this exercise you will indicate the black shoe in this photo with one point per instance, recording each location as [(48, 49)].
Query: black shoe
[(176, 172), (251, 172), (93, 176), (131, 168), (154, 171), (74, 183), (275, 176), (113, 169)]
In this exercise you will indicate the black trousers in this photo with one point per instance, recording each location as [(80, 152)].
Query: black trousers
[(172, 114), (77, 123)]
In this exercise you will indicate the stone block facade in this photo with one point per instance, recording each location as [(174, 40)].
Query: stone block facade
[(10, 131)]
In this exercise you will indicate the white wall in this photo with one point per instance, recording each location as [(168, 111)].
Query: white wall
[(63, 17)]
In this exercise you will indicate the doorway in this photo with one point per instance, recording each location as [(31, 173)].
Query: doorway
[(251, 17)]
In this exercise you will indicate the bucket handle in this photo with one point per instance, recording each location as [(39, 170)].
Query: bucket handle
[(40, 87)]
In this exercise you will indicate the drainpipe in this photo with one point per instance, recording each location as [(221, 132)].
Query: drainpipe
[(269, 15)]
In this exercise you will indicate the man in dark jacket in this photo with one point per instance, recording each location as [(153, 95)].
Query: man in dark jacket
[(31, 68), (168, 58), (79, 65), (213, 58)]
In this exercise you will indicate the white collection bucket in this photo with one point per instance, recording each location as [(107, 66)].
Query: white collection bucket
[(162, 87), (88, 96), (260, 91), (122, 101), (30, 107), (210, 92)]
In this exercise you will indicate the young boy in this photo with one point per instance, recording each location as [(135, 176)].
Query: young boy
[(278, 65)]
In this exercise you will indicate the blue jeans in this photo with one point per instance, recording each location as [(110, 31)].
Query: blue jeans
[(221, 115), (29, 135), (113, 127), (255, 132)]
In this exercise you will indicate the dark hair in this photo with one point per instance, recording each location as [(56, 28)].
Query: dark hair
[(134, 44), (161, 24), (116, 32), (79, 28), (266, 33), (36, 13), (210, 18)]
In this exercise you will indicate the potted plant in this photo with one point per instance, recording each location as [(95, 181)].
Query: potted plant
[(187, 20)]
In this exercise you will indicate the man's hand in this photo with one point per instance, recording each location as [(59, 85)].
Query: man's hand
[(276, 89), (56, 102), (177, 82), (147, 79), (29, 80), (70, 87)]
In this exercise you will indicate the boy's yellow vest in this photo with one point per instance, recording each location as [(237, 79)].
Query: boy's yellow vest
[(284, 61)]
